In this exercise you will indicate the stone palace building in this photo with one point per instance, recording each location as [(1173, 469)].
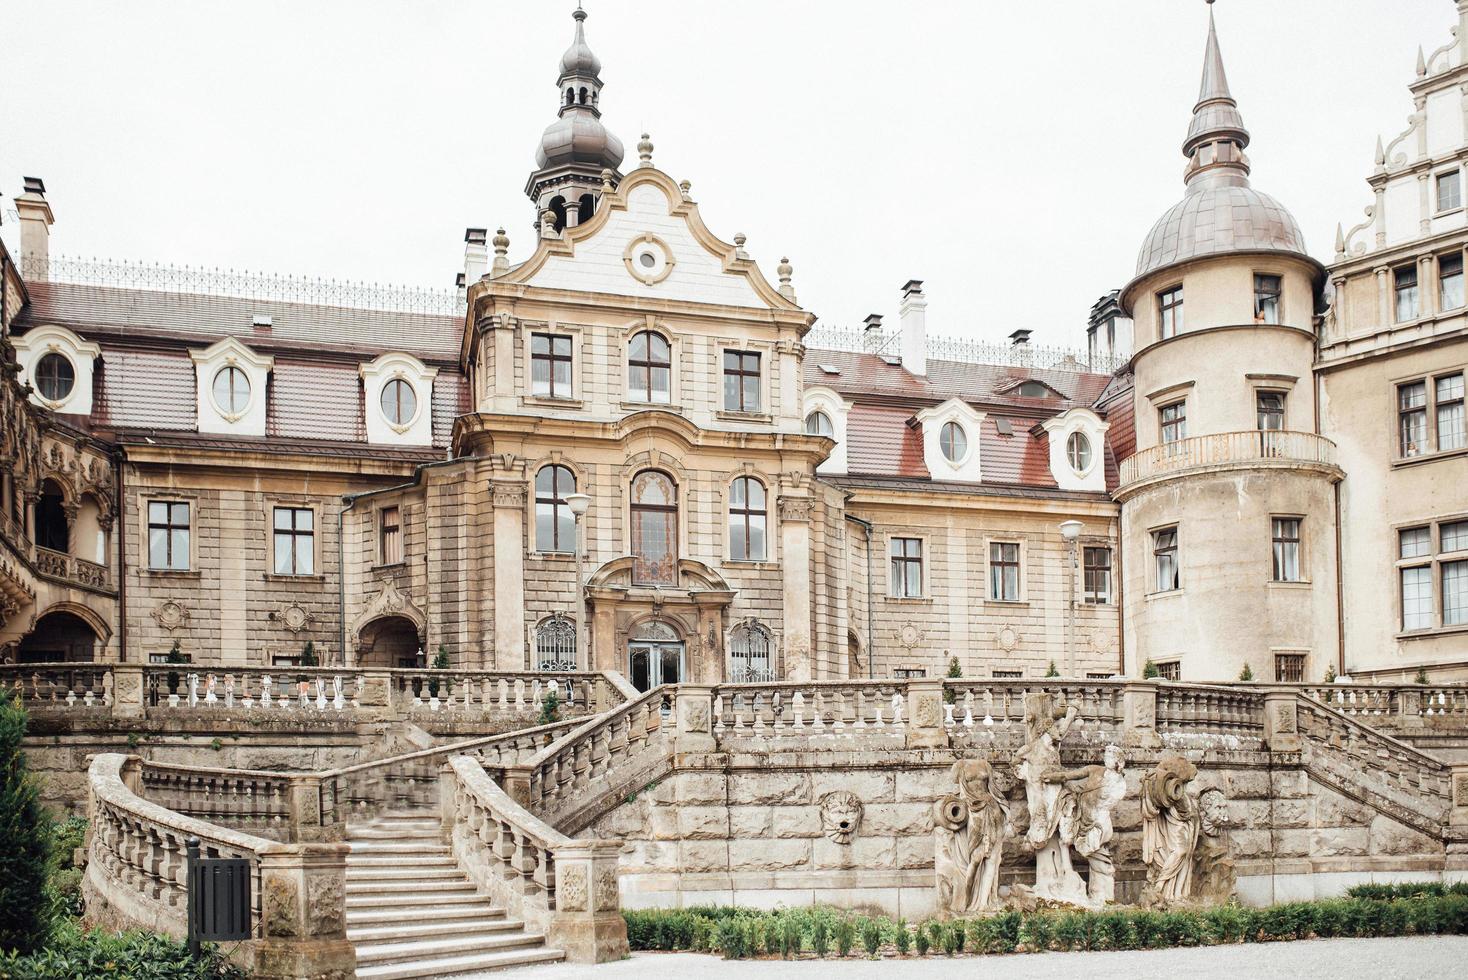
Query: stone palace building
[(629, 448)]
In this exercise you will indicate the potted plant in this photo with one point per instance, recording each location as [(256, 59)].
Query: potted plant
[(440, 662), (175, 656)]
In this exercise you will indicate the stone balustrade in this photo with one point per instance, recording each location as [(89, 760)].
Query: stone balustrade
[(137, 878), (59, 686), (410, 781), (482, 692), (241, 799), (567, 889), (78, 571), (1379, 701), (1227, 449), (305, 689), (1203, 714), (823, 707)]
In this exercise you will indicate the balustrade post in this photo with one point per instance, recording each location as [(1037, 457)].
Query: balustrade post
[(447, 802), (1409, 704), (303, 914), (587, 922), (516, 784), (376, 699), (924, 714), (304, 809), (1139, 715), (128, 695), (1281, 721), (1457, 836), (694, 707)]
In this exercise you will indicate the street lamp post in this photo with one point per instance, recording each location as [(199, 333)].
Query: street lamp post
[(1071, 532), (579, 504)]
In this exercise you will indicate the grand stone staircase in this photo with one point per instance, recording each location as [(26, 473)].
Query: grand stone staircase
[(411, 912)]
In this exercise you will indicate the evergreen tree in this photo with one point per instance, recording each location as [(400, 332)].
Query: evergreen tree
[(24, 831), (1150, 671), (308, 655), (1052, 672), (1247, 674)]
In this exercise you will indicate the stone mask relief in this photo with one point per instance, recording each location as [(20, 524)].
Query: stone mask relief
[(840, 816)]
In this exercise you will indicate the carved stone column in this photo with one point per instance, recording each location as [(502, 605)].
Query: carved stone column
[(127, 691), (795, 513), (588, 921), (509, 574)]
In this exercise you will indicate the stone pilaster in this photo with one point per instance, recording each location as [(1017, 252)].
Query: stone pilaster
[(509, 574), (303, 914), (795, 513), (695, 711), (1281, 725)]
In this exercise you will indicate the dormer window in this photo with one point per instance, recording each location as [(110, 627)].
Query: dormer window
[(953, 442), (231, 391), (1078, 452), (55, 377), (399, 403), (1033, 389), (819, 424), (397, 391)]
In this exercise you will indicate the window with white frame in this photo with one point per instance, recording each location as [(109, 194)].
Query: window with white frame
[(231, 391), (907, 568), (169, 526), (953, 441), (1078, 451), (1430, 415), (295, 541), (1285, 532), (1449, 190), (751, 655), (1004, 571), (747, 519), (1097, 576), (1165, 560), (1404, 287), (1450, 281), (1432, 571), (399, 403), (818, 423), (55, 376)]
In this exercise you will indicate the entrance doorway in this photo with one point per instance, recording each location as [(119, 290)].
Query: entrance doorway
[(654, 662)]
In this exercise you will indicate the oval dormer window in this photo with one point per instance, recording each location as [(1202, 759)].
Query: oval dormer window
[(55, 377), (954, 442), (399, 403), (1078, 451), (818, 423), (231, 391)]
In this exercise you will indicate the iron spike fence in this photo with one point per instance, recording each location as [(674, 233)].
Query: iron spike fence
[(859, 340), (243, 284)]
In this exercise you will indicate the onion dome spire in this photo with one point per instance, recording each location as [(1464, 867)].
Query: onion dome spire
[(576, 148), (1217, 137)]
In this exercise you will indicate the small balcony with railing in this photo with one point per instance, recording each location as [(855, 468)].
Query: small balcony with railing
[(1226, 450)]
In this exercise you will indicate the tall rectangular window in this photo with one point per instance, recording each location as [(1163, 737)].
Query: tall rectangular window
[(168, 536), (1455, 593), (1416, 579), (1269, 406), (1004, 571), (295, 541), (1412, 418), (741, 381), (1165, 559), (907, 568), (1173, 420), (1449, 191), (390, 536), (1449, 398), (550, 365), (1404, 279), (1170, 312), (1450, 280), (1266, 299), (1289, 668), (1097, 575), (1286, 533), (1421, 566)]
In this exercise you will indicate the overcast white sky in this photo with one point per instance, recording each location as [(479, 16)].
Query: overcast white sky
[(1013, 155)]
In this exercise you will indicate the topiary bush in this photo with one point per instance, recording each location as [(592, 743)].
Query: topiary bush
[(26, 833)]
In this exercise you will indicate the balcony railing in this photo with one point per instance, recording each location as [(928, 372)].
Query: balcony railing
[(1225, 448), (60, 565)]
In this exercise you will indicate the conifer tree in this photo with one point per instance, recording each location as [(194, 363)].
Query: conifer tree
[(24, 833)]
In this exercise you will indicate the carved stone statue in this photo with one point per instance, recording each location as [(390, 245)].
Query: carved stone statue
[(1085, 819), (840, 816), (969, 831), (1037, 763), (1170, 827), (1213, 864)]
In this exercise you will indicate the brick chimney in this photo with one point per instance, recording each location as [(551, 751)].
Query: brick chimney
[(36, 220), (914, 312)]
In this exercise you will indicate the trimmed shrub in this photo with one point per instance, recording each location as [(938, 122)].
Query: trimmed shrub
[(921, 939), (902, 938), (70, 952), (26, 833), (820, 936), (845, 936), (871, 936)]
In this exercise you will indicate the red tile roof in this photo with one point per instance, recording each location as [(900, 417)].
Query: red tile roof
[(1121, 438), (978, 384)]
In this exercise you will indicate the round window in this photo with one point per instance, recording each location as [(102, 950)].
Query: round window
[(1078, 451), (55, 377), (647, 260), (399, 403), (953, 441), (819, 424), (231, 391)]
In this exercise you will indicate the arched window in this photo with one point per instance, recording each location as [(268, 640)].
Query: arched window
[(399, 403), (750, 660), (585, 209), (231, 391), (953, 441), (558, 205), (818, 423), (583, 95), (654, 529), (570, 96), (53, 531), (650, 368), (555, 525), (555, 643), (747, 519), (55, 377), (1078, 451)]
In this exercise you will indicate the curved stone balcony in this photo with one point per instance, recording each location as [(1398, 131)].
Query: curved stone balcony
[(1228, 450)]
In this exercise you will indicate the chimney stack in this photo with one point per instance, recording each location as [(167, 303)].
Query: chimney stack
[(36, 220), (476, 254), (871, 336), (914, 312), (1020, 338)]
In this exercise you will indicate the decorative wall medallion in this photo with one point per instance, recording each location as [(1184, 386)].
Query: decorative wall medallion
[(841, 815), (170, 615), (1006, 639), (909, 635), (648, 259), (571, 889), (293, 617), (608, 896)]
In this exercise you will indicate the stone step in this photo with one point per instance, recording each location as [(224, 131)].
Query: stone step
[(393, 929), (362, 859), (399, 898), (369, 916), (404, 872), (396, 886), (393, 833), (449, 966), (414, 950), (396, 847)]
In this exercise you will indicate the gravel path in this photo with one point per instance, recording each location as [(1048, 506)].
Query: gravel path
[(1358, 959)]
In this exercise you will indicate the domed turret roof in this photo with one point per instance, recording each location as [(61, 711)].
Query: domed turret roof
[(579, 59), (1220, 212), (578, 138)]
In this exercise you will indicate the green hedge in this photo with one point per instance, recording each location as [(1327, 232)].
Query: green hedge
[(1412, 890), (71, 953), (740, 933)]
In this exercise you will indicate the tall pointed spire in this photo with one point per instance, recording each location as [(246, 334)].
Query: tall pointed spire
[(1217, 137)]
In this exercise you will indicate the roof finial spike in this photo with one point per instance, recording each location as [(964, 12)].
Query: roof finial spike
[(1340, 240), (1421, 62), (1380, 153)]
